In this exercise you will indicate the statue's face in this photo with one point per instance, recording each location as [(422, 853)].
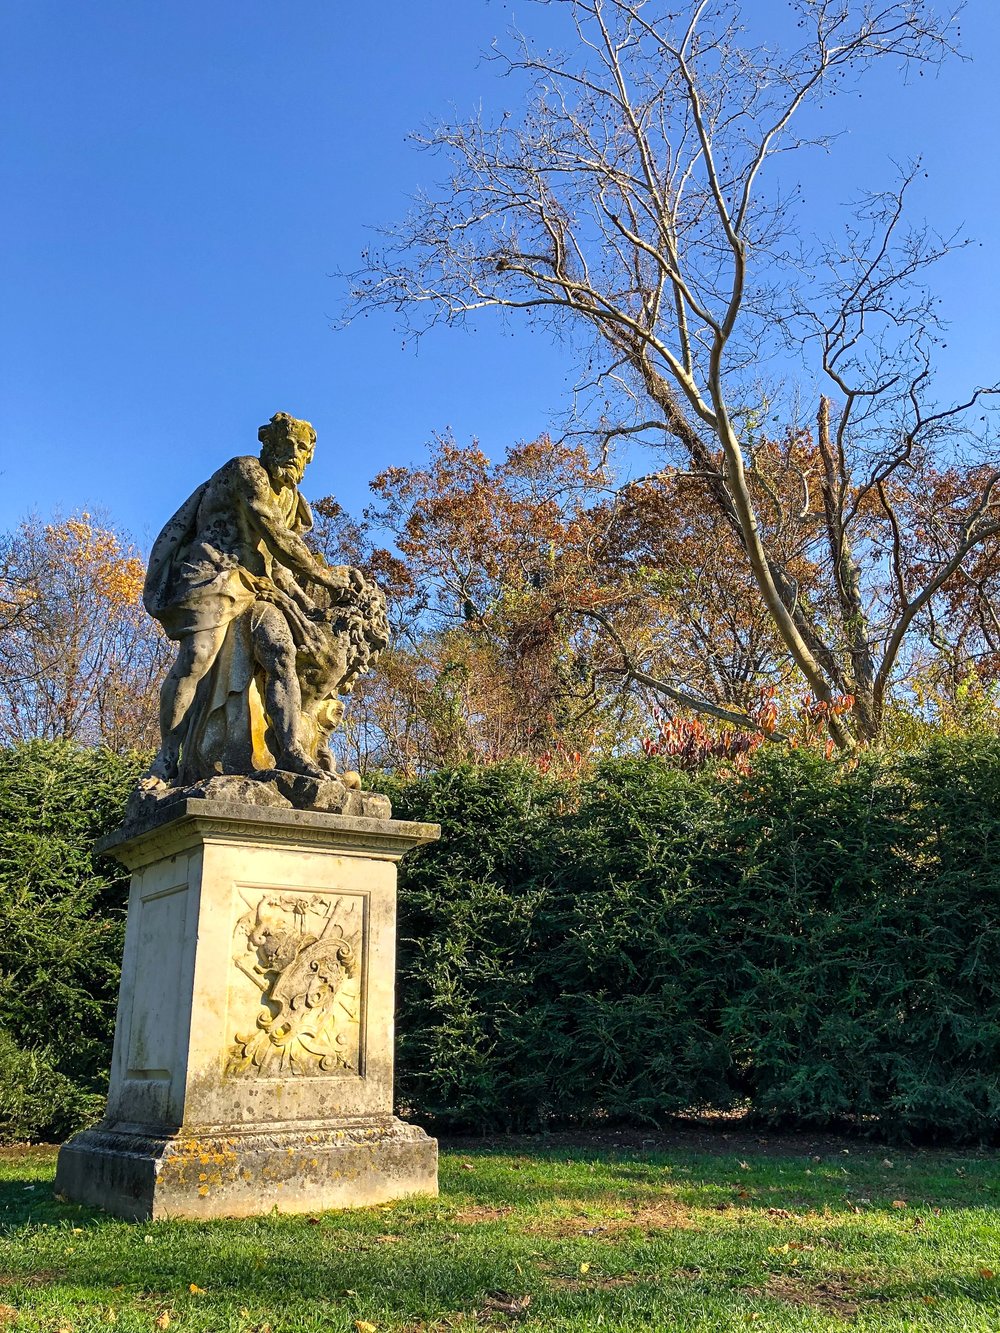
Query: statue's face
[(288, 456)]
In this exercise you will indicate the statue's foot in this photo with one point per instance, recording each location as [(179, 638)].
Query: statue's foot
[(164, 767), (295, 760)]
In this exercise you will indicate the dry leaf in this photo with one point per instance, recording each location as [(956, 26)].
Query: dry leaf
[(467, 1166), (929, 1300), (987, 1273), (505, 1303), (162, 1320), (363, 1326), (312, 1221), (195, 1290), (744, 1166), (899, 1203), (585, 1268)]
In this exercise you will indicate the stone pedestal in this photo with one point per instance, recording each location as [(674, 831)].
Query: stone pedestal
[(253, 1050)]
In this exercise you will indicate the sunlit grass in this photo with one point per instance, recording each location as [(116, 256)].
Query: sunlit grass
[(540, 1237)]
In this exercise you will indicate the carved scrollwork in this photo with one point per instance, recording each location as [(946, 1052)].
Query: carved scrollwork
[(303, 953)]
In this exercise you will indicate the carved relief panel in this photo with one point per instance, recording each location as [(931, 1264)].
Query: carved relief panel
[(295, 996)]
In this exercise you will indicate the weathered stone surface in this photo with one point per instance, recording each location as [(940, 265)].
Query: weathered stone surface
[(247, 1172), (271, 789), (271, 638), (256, 1008)]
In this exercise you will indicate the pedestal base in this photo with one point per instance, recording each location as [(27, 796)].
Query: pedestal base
[(253, 1055), (247, 1171)]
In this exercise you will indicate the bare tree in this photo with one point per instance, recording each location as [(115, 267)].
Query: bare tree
[(635, 200)]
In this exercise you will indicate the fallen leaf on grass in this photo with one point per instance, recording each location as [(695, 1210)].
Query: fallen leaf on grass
[(467, 1166), (504, 1303), (987, 1273), (899, 1203), (312, 1221), (195, 1290), (585, 1268), (162, 1320), (363, 1326)]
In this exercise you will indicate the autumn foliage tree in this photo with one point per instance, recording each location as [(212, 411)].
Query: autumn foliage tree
[(630, 200), (79, 658)]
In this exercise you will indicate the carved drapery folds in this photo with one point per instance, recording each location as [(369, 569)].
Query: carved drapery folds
[(271, 638)]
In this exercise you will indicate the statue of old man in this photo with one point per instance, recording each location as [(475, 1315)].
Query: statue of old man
[(269, 636)]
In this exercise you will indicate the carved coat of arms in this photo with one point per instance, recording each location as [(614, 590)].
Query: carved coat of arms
[(304, 956)]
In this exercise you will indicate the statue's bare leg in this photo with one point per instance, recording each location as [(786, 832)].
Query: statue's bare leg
[(195, 656), (274, 650)]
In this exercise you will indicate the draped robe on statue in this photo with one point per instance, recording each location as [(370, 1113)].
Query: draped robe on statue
[(196, 584)]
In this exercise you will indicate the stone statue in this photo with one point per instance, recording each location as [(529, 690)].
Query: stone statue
[(269, 638)]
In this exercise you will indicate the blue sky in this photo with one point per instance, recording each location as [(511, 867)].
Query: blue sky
[(179, 182)]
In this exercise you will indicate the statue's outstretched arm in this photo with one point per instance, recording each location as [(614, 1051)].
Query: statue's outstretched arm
[(287, 547)]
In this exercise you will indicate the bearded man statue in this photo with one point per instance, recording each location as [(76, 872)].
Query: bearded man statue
[(269, 635)]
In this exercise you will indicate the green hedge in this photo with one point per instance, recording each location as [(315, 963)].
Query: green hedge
[(63, 915), (818, 942)]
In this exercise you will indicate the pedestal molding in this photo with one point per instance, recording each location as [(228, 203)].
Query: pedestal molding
[(188, 823)]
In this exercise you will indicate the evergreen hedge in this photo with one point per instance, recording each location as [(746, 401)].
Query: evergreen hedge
[(815, 941), (63, 917)]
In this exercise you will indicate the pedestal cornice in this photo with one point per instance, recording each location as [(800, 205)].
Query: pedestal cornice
[(189, 822)]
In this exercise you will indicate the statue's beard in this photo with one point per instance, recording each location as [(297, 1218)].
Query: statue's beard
[(287, 474)]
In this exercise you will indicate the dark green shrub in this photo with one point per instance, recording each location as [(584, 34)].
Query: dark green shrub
[(63, 921), (469, 966), (816, 940), (36, 1100)]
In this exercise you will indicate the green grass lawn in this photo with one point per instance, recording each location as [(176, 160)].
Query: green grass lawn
[(687, 1233)]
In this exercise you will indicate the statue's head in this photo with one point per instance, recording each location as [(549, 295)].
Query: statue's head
[(286, 447)]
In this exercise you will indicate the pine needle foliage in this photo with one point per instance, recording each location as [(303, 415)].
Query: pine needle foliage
[(816, 941), (63, 928)]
